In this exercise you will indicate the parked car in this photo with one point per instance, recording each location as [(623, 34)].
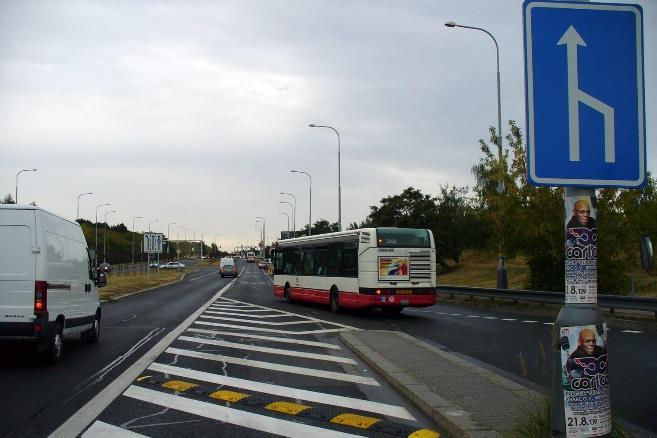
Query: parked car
[(105, 267), (154, 265), (227, 267), (173, 265), (48, 287)]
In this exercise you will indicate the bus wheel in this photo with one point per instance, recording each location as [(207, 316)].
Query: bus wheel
[(287, 293), (335, 300), (392, 311)]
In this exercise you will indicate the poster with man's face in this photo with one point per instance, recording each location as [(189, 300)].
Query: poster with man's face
[(581, 234)]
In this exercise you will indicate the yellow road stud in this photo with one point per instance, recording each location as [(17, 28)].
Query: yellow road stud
[(424, 433), (354, 420), (178, 385), (286, 407), (229, 396)]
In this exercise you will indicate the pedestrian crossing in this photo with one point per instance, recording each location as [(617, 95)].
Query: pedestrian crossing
[(246, 370)]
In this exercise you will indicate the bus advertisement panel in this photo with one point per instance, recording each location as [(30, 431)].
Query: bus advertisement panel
[(388, 268)]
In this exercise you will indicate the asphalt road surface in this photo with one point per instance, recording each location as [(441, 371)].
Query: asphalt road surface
[(290, 347)]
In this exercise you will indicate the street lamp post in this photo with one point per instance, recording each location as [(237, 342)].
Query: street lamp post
[(77, 211), (133, 239), (19, 172), (105, 232), (501, 269), (288, 222), (312, 125), (264, 235), (291, 207), (310, 200), (96, 246), (294, 214), (169, 239)]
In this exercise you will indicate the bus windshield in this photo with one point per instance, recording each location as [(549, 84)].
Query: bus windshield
[(402, 238)]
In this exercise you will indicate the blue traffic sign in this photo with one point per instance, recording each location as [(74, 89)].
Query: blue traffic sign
[(584, 94)]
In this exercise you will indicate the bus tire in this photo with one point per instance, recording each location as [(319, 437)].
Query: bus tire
[(335, 300), (287, 293)]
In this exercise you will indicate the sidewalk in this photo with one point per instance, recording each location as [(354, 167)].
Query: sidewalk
[(464, 399)]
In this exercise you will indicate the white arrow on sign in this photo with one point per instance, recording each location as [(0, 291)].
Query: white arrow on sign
[(572, 39)]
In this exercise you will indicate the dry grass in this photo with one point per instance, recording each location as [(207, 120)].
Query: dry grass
[(119, 286), (479, 269)]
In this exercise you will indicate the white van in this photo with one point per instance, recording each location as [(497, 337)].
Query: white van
[(48, 287)]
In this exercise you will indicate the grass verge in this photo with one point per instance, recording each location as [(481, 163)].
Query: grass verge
[(119, 286)]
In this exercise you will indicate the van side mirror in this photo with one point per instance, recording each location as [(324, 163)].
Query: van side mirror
[(646, 253), (101, 279)]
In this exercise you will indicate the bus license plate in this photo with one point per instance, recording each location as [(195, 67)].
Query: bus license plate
[(403, 292), (404, 302)]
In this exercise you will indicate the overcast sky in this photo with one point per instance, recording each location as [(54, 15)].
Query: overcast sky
[(194, 112)]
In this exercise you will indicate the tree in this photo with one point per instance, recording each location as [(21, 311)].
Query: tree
[(319, 227), (8, 199)]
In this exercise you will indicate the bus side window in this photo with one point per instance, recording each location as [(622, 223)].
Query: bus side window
[(332, 260), (349, 260), (308, 261), (320, 260)]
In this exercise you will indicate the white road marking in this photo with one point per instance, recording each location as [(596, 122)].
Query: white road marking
[(299, 315), (631, 331), (509, 319), (129, 319), (286, 391), (275, 366), (104, 430), (240, 309), (85, 415), (325, 357), (266, 338), (203, 276), (548, 323), (280, 315), (454, 314), (249, 420), (250, 321), (474, 316), (264, 329), (491, 317), (530, 321)]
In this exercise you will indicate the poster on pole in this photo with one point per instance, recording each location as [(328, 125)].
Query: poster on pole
[(153, 243), (585, 381), (581, 235)]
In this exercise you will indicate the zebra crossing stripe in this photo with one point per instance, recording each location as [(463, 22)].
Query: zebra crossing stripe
[(241, 418), (268, 330), (325, 357), (284, 391), (280, 315), (101, 429), (275, 366), (266, 338), (250, 321)]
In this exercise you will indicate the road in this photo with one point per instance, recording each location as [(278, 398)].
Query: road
[(38, 399)]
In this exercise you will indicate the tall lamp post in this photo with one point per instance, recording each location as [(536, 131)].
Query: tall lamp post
[(288, 222), (501, 269), (310, 200), (19, 172), (294, 214), (264, 235), (169, 239), (133, 238), (292, 208), (105, 232), (77, 210), (312, 125), (96, 247)]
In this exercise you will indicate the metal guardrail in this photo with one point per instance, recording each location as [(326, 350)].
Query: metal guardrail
[(611, 302)]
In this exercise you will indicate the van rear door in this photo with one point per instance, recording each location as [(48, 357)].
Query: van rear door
[(18, 252)]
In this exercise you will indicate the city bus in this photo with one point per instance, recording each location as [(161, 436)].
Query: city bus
[(387, 268), (250, 257)]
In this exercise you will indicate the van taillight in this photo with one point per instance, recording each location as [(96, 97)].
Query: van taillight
[(40, 296)]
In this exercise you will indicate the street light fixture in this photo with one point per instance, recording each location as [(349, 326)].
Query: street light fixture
[(19, 172), (133, 239), (105, 232), (312, 125), (96, 246), (149, 224), (288, 222), (77, 211), (310, 209), (501, 269), (294, 214)]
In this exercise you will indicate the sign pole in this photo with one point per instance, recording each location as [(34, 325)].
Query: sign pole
[(581, 405)]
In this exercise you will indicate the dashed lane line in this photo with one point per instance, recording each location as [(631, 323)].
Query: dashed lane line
[(266, 338), (275, 366), (203, 276), (239, 346), (285, 391)]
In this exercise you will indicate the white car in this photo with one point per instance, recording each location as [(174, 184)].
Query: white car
[(48, 287), (173, 265)]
